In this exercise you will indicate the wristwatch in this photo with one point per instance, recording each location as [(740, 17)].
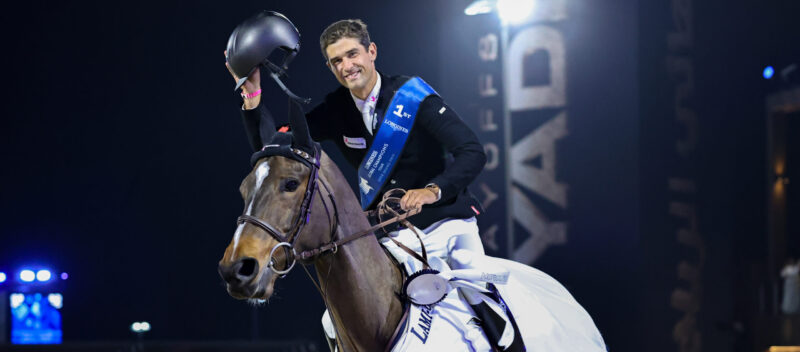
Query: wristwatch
[(435, 189)]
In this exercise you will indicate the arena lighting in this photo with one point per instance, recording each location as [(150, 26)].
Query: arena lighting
[(56, 300), (769, 71), (27, 275), (17, 299), (2, 277), (514, 11), (478, 7), (784, 349), (43, 275), (140, 327)]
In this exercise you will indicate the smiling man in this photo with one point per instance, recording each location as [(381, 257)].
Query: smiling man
[(354, 115), (436, 130)]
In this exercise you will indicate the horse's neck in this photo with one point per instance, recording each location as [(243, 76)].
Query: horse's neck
[(359, 281)]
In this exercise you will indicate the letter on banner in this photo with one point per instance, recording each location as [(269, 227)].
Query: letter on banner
[(542, 232), (686, 332), (682, 69), (541, 143), (492, 156), (487, 47), (682, 18), (491, 196), (489, 238), (525, 43), (486, 86), (486, 120)]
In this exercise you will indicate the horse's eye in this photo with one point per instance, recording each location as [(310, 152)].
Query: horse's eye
[(290, 185)]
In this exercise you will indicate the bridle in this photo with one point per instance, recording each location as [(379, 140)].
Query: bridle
[(287, 241)]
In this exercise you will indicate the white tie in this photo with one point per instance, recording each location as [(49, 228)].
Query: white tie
[(369, 118)]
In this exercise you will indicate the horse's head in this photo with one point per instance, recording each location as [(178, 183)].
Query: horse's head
[(275, 193)]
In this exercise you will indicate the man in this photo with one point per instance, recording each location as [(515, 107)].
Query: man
[(352, 115)]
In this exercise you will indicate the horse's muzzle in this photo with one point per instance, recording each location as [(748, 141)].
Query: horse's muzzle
[(240, 274)]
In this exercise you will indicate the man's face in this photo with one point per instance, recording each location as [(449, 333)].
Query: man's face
[(351, 63)]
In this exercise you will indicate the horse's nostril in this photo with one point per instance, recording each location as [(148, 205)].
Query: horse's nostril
[(247, 268), (240, 273)]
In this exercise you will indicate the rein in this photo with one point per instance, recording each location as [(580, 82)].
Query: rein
[(333, 246), (288, 241)]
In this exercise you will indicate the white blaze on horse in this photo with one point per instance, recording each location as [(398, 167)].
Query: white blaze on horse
[(363, 286)]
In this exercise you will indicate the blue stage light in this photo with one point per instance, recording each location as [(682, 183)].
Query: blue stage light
[(27, 275), (768, 72), (56, 300), (16, 299), (43, 275), (64, 276), (2, 277)]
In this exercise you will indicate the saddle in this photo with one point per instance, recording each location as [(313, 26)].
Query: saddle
[(470, 309)]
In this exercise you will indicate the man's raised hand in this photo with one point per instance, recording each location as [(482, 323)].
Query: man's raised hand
[(252, 84)]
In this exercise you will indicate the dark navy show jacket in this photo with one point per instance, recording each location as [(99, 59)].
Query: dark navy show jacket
[(438, 132)]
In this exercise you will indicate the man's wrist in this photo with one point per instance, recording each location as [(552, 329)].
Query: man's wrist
[(251, 95), (435, 189), (252, 103)]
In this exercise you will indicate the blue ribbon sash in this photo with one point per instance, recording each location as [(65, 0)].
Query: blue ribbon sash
[(390, 139)]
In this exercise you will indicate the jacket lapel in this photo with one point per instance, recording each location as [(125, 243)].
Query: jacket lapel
[(384, 98)]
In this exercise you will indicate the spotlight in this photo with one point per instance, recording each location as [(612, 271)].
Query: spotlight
[(2, 277), (43, 275), (56, 300), (27, 275), (768, 72), (140, 327), (478, 7), (514, 11), (17, 299), (64, 276)]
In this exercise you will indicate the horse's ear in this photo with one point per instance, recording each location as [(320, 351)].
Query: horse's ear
[(266, 128), (302, 138)]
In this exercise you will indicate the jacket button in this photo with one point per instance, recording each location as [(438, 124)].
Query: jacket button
[(392, 181)]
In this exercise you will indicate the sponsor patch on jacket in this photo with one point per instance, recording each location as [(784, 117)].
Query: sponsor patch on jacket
[(355, 142)]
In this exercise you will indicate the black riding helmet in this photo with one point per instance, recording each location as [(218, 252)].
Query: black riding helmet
[(255, 40)]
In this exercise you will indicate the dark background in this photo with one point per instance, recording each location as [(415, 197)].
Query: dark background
[(122, 150)]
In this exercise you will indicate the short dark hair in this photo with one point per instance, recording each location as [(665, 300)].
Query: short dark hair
[(351, 28)]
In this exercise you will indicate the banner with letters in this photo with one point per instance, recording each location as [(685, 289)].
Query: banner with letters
[(554, 101), (525, 201)]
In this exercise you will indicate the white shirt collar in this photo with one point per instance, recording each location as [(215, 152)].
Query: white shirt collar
[(371, 100)]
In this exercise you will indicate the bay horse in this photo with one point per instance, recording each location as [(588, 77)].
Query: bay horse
[(297, 200)]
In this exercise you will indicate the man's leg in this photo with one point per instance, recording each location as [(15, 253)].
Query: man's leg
[(493, 325)]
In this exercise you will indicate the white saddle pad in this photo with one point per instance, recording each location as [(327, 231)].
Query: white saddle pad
[(548, 317)]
